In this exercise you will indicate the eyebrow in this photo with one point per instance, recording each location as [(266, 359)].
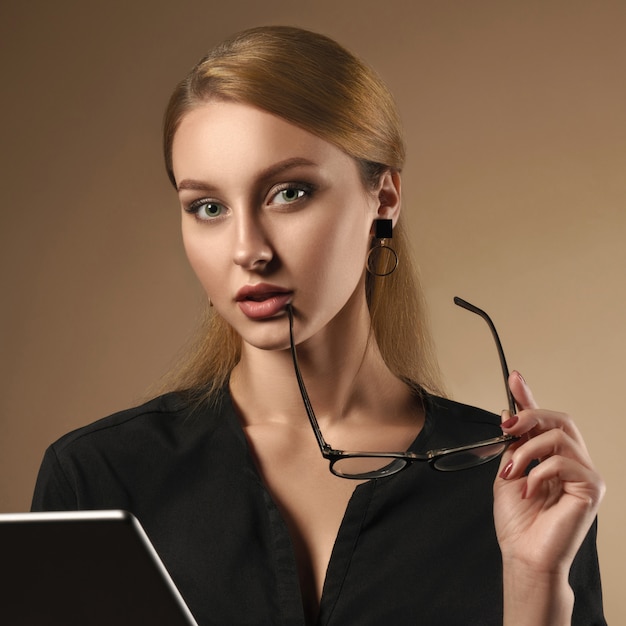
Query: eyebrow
[(269, 172)]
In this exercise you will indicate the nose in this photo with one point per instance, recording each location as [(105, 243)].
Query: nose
[(252, 248)]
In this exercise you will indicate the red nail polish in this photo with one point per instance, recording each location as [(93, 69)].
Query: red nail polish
[(507, 470), (510, 422)]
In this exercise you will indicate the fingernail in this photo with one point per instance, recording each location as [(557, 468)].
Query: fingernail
[(507, 470), (521, 377), (510, 422)]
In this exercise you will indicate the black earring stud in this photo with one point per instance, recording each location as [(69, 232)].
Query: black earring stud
[(382, 259)]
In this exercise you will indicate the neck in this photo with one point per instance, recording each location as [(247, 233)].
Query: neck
[(342, 367)]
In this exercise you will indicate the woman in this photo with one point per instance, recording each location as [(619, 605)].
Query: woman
[(286, 154)]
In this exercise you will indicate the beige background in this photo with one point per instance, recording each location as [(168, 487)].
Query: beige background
[(515, 191)]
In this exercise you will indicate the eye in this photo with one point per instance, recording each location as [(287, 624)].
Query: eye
[(291, 193), (205, 210)]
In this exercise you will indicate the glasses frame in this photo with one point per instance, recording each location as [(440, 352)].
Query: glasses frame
[(401, 460)]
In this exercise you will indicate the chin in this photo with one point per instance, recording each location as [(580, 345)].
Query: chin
[(270, 334), (268, 345)]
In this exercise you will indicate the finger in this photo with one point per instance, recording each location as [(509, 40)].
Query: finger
[(547, 445), (575, 479), (521, 392), (536, 421)]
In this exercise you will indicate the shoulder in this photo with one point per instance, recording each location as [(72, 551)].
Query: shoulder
[(451, 409), (166, 418), (115, 461), (449, 422)]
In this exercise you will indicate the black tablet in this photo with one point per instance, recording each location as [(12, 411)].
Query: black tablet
[(85, 568)]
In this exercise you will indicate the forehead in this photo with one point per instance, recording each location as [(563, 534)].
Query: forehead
[(219, 135)]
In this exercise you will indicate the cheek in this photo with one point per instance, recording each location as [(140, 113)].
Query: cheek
[(203, 263), (348, 240), (335, 253)]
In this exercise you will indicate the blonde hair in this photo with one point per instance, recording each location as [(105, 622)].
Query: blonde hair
[(314, 83)]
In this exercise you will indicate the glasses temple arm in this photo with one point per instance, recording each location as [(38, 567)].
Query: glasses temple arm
[(505, 370), (308, 407)]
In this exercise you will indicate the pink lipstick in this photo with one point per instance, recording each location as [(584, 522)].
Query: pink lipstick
[(262, 301)]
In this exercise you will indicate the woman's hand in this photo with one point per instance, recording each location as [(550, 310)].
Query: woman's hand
[(542, 516)]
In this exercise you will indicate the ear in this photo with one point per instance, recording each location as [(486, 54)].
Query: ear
[(389, 196)]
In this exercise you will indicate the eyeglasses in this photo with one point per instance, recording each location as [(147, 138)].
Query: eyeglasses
[(367, 465)]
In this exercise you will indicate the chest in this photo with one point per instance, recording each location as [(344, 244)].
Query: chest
[(312, 501), (408, 549)]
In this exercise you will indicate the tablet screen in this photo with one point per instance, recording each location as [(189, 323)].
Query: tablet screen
[(85, 568)]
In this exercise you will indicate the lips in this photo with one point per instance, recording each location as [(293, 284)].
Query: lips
[(262, 301)]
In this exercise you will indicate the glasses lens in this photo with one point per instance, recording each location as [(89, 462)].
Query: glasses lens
[(365, 467), (469, 458)]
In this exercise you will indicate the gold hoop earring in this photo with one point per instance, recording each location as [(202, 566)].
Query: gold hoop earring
[(382, 259)]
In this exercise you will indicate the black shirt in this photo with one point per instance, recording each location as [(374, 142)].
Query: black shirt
[(415, 548)]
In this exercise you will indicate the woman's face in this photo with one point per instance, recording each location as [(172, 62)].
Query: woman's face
[(271, 215)]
